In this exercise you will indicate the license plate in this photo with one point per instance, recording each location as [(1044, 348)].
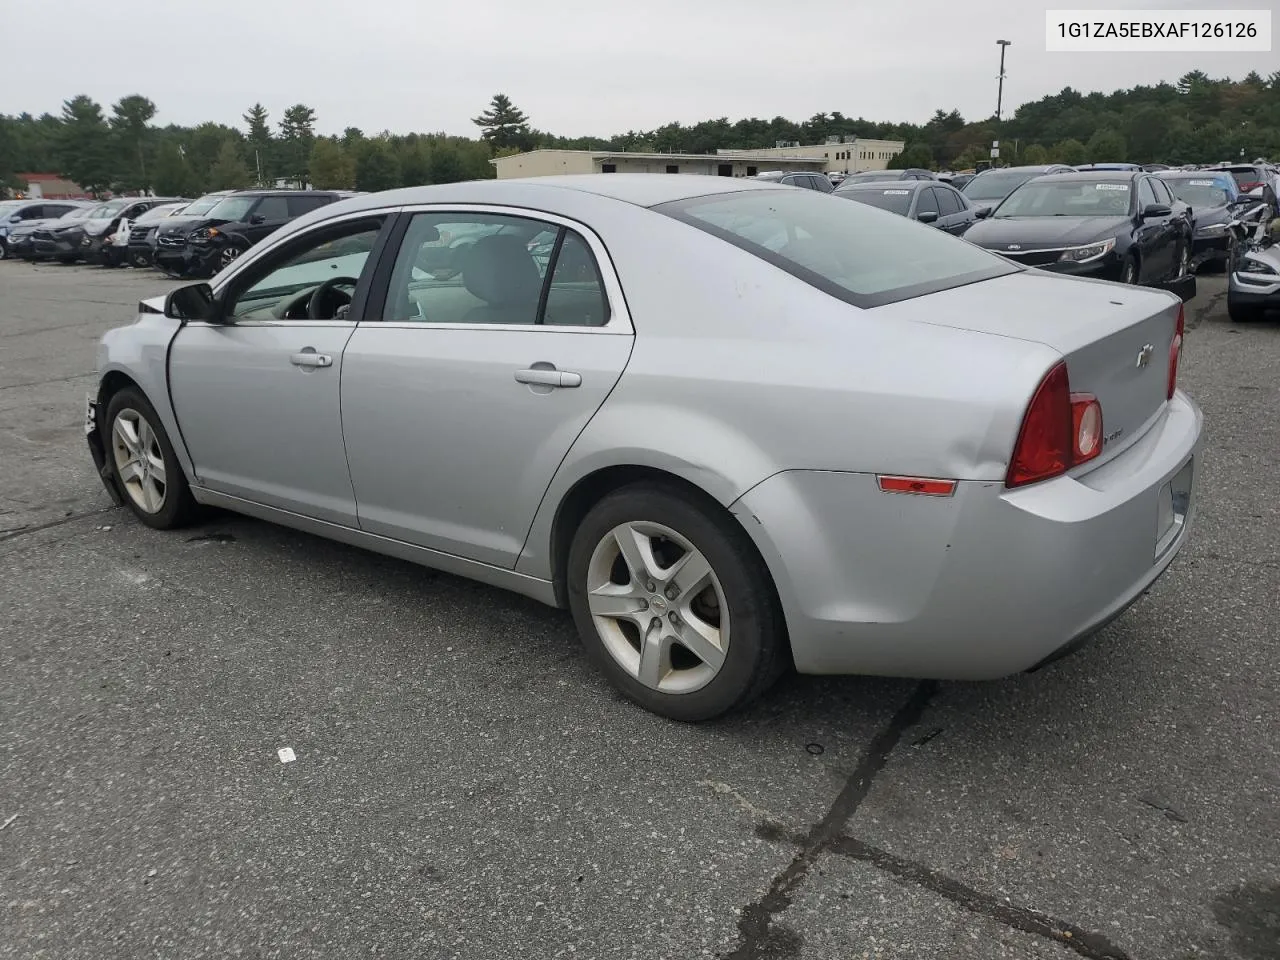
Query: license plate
[(1174, 505)]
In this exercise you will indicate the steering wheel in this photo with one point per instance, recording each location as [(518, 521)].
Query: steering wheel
[(324, 292)]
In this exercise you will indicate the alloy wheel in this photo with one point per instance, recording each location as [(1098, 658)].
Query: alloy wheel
[(139, 460), (228, 255), (658, 607), (1184, 261), (1130, 274)]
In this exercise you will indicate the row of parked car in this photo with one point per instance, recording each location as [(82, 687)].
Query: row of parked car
[(183, 237), (1154, 225)]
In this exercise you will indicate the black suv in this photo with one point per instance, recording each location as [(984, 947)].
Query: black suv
[(202, 247)]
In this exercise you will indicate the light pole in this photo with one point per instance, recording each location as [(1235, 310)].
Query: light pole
[(1000, 90)]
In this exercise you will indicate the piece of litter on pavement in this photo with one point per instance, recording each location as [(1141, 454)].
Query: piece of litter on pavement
[(287, 755), (9, 821)]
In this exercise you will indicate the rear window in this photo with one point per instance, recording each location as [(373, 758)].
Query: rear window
[(861, 255), (996, 186), (894, 199)]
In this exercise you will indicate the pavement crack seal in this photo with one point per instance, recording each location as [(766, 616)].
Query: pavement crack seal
[(767, 819), (756, 939), (15, 532), (1084, 942)]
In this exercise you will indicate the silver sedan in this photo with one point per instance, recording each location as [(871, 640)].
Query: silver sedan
[(730, 426)]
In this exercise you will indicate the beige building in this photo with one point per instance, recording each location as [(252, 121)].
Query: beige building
[(742, 163), (838, 155)]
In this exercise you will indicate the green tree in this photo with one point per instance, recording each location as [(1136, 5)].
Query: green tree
[(229, 171), (1069, 151), (84, 145), (130, 123), (447, 165), (1105, 145), (915, 155), (297, 137), (503, 124), (376, 166), (415, 163), (172, 175), (260, 142), (1035, 155), (332, 168)]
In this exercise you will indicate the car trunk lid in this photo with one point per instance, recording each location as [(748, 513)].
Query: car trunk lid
[(1115, 339)]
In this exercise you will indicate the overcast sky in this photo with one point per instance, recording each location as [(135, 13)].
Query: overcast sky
[(576, 67)]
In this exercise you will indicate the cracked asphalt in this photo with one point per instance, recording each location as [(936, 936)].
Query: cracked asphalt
[(466, 787)]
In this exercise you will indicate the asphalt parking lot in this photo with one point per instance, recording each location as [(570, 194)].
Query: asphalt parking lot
[(466, 787)]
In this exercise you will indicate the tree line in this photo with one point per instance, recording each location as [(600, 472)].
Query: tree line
[(1198, 119)]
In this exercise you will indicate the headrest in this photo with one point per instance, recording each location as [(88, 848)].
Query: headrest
[(500, 271)]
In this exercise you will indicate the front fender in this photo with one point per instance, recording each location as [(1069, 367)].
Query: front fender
[(140, 352)]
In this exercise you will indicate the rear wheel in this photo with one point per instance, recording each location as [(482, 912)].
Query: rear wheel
[(673, 604), (144, 465)]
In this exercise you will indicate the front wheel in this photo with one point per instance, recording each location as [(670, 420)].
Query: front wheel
[(230, 254), (673, 604), (1184, 261), (144, 466), (1129, 273)]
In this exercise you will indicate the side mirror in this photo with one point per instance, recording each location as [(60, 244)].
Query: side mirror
[(257, 218), (929, 216), (982, 212), (1156, 210), (192, 302)]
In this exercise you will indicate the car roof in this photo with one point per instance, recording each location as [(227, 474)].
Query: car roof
[(641, 189), (1193, 174), (889, 185), (1105, 176), (1029, 168)]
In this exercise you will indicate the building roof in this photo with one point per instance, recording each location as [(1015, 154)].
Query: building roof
[(668, 157)]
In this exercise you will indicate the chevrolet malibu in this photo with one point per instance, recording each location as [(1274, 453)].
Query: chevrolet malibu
[(731, 426)]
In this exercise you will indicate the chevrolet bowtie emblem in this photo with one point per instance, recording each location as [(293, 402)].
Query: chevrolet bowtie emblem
[(1144, 355)]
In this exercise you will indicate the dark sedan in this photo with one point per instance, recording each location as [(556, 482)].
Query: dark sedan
[(928, 202), (1215, 202), (992, 185), (20, 239), (1119, 225)]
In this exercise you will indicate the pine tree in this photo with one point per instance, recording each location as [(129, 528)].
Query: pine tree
[(502, 125), (331, 168), (297, 137), (130, 117), (84, 146), (229, 171), (259, 138)]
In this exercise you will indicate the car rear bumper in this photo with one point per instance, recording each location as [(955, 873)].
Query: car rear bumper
[(982, 584)]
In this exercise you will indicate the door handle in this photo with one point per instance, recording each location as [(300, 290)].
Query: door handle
[(549, 378), (311, 359)]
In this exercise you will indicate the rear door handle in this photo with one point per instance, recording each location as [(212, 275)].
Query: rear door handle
[(310, 358), (549, 378)]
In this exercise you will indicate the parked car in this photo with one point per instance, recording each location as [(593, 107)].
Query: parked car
[(1114, 225), (1254, 176), (1254, 284), (1215, 203), (918, 484), (1094, 167), (1155, 167), (993, 185), (873, 176), (142, 237), (20, 242), (114, 248), (21, 213), (936, 203), (68, 242), (961, 180), (101, 227), (798, 178), (202, 247)]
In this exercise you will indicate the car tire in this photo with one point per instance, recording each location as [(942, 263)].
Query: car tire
[(230, 254), (728, 612), (1130, 272), (1243, 313), (4, 250), (155, 488), (138, 261)]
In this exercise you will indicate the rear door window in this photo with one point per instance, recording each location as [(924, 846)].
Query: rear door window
[(863, 256), (300, 205), (272, 208), (948, 201)]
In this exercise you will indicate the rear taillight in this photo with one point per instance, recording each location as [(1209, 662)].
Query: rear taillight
[(1060, 430), (1175, 354), (1246, 187)]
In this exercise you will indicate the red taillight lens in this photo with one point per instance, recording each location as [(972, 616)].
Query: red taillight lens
[(1044, 444), (1061, 430), (1175, 354), (1246, 187)]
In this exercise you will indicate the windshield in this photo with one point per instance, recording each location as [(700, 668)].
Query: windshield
[(1199, 193), (895, 199), (232, 208), (871, 177), (861, 255), (203, 205), (1067, 198), (79, 213), (996, 186), (8, 208), (109, 209)]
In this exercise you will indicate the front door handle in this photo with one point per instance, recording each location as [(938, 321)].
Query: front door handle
[(549, 378), (311, 359)]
